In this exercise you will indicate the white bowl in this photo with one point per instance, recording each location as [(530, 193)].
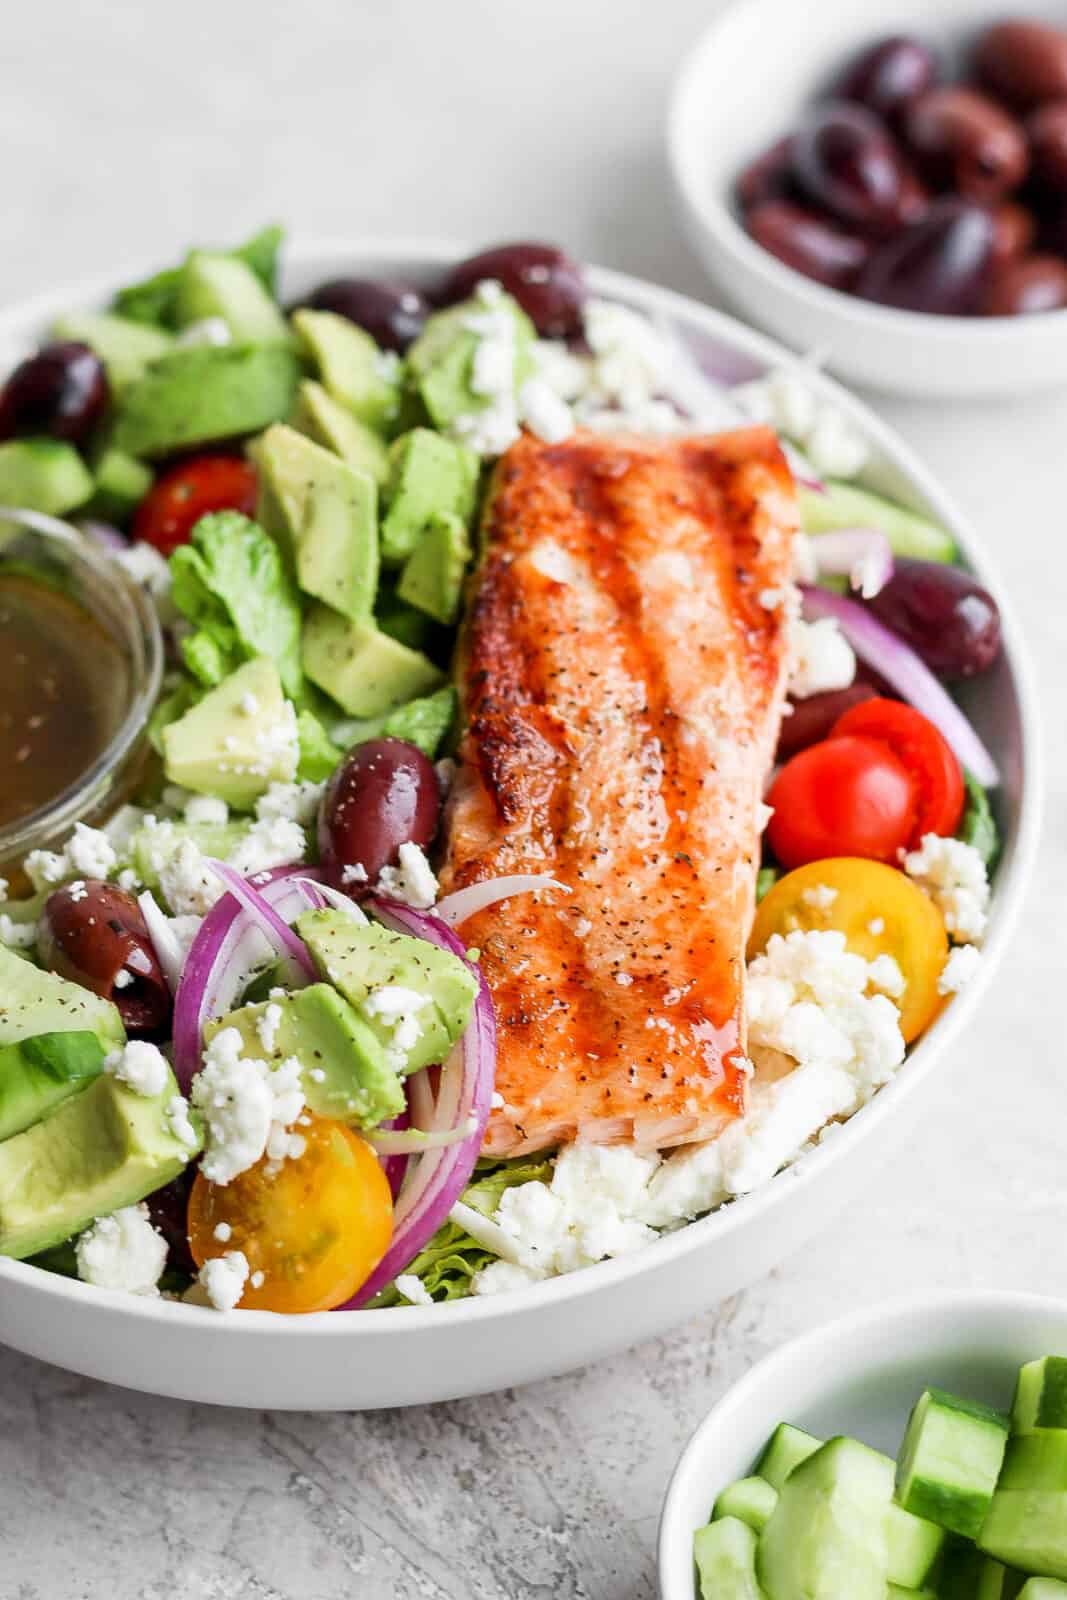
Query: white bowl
[(746, 83), (861, 1377), (406, 1355)]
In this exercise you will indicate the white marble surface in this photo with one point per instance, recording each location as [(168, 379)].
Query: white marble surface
[(129, 130)]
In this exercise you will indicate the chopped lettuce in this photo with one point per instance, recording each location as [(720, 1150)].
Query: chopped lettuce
[(318, 753), (231, 583), (978, 826), (766, 879), (154, 300), (168, 709)]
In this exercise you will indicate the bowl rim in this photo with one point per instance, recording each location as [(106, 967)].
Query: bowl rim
[(883, 1318), (714, 211), (421, 256)]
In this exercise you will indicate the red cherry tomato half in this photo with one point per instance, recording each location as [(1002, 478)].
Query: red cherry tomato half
[(177, 501), (919, 747), (843, 797)]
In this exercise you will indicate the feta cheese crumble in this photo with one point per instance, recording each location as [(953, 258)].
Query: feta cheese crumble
[(822, 658), (88, 853), (412, 880), (290, 802), (223, 1279), (123, 1251), (139, 1065), (274, 841), (414, 1290), (544, 413), (186, 881), (179, 1123), (398, 1008), (206, 808), (954, 876), (963, 961), (493, 429), (248, 1107), (17, 935)]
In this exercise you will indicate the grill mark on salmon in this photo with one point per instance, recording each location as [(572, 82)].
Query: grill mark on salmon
[(622, 684)]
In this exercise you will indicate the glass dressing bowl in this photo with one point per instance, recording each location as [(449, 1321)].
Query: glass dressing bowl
[(62, 556)]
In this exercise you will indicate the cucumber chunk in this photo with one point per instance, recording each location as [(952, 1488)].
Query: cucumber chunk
[(996, 1581), (1041, 1395), (845, 505), (826, 1537), (787, 1448), (1043, 1589), (914, 1547), (750, 1500), (1036, 1461), (725, 1554), (1027, 1528), (950, 1460), (896, 1592)]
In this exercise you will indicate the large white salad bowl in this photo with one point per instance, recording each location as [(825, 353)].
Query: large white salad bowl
[(409, 1355)]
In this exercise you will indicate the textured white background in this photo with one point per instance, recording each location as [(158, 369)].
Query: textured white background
[(128, 130)]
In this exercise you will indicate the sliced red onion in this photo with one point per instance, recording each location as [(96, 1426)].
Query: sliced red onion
[(413, 1141), (165, 942), (340, 902), (104, 535), (862, 555), (903, 670), (277, 930), (456, 908)]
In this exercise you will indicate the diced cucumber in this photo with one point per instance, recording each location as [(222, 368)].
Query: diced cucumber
[(843, 505), (120, 483), (950, 1460), (1027, 1528), (43, 474), (961, 1571), (826, 1537), (1036, 1461), (996, 1581), (1043, 1589), (751, 1500), (914, 1547), (725, 1554), (1041, 1395), (787, 1448), (896, 1592)]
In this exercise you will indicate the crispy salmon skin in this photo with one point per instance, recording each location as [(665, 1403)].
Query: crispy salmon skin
[(622, 671)]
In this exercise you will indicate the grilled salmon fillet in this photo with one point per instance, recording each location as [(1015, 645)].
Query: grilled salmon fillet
[(622, 671)]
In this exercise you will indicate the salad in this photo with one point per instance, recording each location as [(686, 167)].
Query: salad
[(247, 1056)]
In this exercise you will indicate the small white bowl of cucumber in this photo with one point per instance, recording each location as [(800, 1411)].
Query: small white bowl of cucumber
[(916, 1449)]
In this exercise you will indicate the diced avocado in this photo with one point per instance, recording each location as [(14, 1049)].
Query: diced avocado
[(154, 300), (327, 515), (786, 1449), (950, 1460), (843, 505), (194, 396), (332, 425), (429, 474), (750, 1500), (914, 1547), (432, 579), (344, 1070), (34, 1002), (38, 1074), (826, 1537), (212, 284), (725, 1554), (424, 722), (318, 753), (120, 483), (365, 671), (353, 369), (1027, 1529), (126, 348), (102, 1149), (399, 620), (152, 847), (236, 741), (1041, 1395), (359, 959), (43, 475), (442, 357)]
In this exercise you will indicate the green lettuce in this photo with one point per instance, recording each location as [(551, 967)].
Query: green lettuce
[(154, 300), (231, 583), (978, 826), (318, 753)]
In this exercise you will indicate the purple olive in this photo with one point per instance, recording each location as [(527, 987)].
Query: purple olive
[(548, 285), (168, 1209), (845, 161), (392, 313), (810, 720), (940, 264), (808, 242), (946, 617), (62, 390), (768, 177), (1027, 285), (1023, 62), (888, 75), (94, 933), (1046, 129), (963, 140), (1014, 228), (384, 794)]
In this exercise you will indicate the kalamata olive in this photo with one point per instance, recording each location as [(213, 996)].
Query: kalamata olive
[(811, 719), (382, 795), (168, 1209), (62, 390), (1046, 129), (1026, 285), (392, 313), (845, 160), (962, 140), (548, 285), (1014, 228), (946, 617), (769, 177), (888, 75), (939, 264), (95, 933), (1023, 62), (808, 243)]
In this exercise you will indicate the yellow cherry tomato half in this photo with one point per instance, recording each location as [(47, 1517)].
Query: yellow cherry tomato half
[(315, 1226), (879, 910)]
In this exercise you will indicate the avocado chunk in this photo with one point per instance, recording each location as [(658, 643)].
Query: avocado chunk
[(843, 505), (343, 1066), (120, 483), (432, 579), (443, 356), (43, 475), (102, 1149), (197, 395), (353, 369), (365, 671), (236, 741), (401, 621), (360, 959), (333, 426), (40, 1073), (326, 514), (154, 300), (34, 1002), (429, 475), (212, 284), (126, 348)]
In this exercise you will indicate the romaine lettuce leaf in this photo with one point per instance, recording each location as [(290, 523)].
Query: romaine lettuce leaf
[(978, 826), (154, 300)]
